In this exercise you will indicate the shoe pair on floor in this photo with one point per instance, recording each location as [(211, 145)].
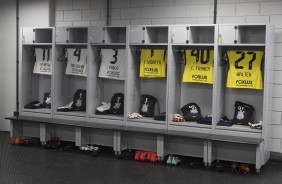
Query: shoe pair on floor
[(54, 143), (146, 156), (172, 160), (89, 148), (256, 125), (18, 140), (244, 168)]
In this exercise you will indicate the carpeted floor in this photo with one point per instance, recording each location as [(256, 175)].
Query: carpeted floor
[(37, 165)]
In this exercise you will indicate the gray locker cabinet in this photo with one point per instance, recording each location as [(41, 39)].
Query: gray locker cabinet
[(228, 34), (181, 93), (62, 35), (33, 86), (137, 34), (226, 97), (43, 35), (201, 34), (102, 89), (66, 85), (115, 35), (97, 34), (180, 35), (64, 88), (78, 35), (28, 35), (250, 37), (252, 34), (154, 37)]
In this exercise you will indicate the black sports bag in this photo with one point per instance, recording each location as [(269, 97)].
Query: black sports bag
[(191, 112), (117, 103), (147, 105), (79, 100), (243, 114), (47, 100)]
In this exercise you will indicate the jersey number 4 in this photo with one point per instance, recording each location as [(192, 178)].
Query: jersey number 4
[(77, 53), (200, 55)]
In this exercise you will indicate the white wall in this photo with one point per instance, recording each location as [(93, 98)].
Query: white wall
[(32, 13), (8, 60), (126, 12)]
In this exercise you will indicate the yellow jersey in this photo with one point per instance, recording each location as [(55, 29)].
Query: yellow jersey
[(153, 63), (199, 66), (244, 69)]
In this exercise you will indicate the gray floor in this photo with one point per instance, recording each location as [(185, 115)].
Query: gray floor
[(36, 165)]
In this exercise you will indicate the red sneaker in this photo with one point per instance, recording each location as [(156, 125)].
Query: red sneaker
[(149, 153), (143, 155), (137, 155), (244, 168), (234, 167), (154, 157)]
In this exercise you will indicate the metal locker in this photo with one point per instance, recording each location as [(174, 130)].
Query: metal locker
[(179, 34), (97, 35), (62, 35), (227, 34), (137, 34), (28, 35)]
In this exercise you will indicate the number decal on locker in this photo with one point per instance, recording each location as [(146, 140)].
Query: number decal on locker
[(199, 66), (244, 69), (112, 65)]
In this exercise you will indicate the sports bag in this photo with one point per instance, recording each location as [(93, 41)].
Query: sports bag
[(147, 105), (243, 114), (79, 100), (47, 100), (117, 103), (191, 112)]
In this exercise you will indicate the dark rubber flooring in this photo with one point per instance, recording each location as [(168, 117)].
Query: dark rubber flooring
[(37, 165)]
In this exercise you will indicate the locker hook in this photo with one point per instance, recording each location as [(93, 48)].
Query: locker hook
[(152, 52)]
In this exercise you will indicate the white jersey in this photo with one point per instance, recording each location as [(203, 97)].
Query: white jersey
[(112, 65), (43, 64), (77, 62)]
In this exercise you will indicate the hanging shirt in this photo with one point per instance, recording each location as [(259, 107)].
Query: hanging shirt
[(244, 69), (112, 65), (199, 66), (43, 64), (77, 62), (153, 63)]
